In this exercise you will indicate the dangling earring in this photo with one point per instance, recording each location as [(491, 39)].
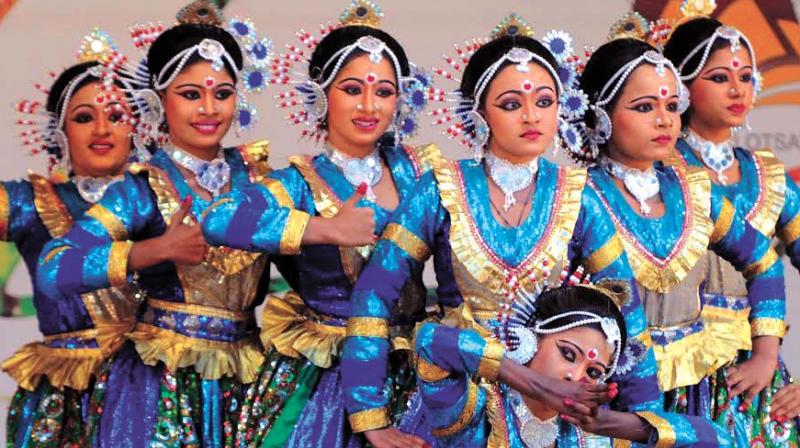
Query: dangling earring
[(743, 128), (482, 133)]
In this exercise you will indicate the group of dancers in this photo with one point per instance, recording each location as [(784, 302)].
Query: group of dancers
[(636, 300)]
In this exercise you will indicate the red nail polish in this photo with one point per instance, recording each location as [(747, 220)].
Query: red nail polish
[(742, 408), (613, 393), (568, 401), (362, 189)]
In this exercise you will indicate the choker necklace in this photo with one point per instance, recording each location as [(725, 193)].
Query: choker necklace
[(643, 185), (367, 170), (535, 433), (92, 189), (211, 175), (510, 177), (717, 156)]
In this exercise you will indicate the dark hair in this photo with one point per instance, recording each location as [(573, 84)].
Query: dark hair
[(685, 39), (57, 95), (579, 298), (180, 37), (605, 62), (348, 35), (493, 50)]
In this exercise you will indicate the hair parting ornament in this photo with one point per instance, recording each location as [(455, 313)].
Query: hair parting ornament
[(517, 327), (44, 130), (254, 75), (464, 120), (305, 95)]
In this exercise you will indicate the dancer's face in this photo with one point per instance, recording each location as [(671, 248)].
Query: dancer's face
[(199, 106), (645, 120), (362, 100), (99, 140), (521, 110), (579, 354), (722, 94)]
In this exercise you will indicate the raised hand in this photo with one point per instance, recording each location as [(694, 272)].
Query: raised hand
[(183, 242)]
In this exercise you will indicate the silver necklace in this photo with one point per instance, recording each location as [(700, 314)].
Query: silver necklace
[(643, 185), (511, 177), (717, 156), (211, 175), (535, 433), (92, 189), (357, 171)]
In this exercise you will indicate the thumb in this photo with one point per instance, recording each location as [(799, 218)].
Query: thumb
[(184, 210), (360, 192)]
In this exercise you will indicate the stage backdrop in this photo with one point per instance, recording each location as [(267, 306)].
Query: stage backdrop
[(41, 35)]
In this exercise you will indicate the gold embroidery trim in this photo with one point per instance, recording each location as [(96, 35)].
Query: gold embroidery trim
[(374, 327), (430, 372), (791, 231), (118, 263), (489, 366), (369, 419), (724, 221), (325, 200), (51, 210), (483, 265), (761, 266), (603, 257), (466, 414), (211, 359), (666, 433), (199, 310), (764, 326), (657, 274), (279, 192), (404, 239), (256, 156), (4, 213), (771, 192), (115, 228), (292, 236), (423, 157), (688, 360)]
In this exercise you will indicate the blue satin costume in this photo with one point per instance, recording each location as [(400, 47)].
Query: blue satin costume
[(303, 330), (80, 334), (179, 380), (449, 216), (770, 201)]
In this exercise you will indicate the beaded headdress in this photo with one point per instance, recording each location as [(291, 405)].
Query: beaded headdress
[(304, 95), (463, 119), (254, 75), (631, 26), (44, 130), (519, 329), (704, 8)]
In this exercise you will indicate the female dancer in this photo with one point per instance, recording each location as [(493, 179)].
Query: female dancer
[(179, 381), (359, 97), (575, 332), (489, 246), (668, 218), (85, 129), (718, 64)]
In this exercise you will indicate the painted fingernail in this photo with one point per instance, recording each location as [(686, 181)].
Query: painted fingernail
[(568, 401), (613, 393), (362, 189), (742, 408)]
